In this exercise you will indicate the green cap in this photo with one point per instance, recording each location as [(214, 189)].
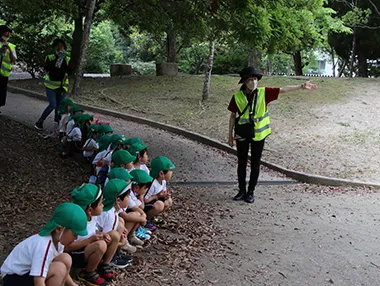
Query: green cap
[(141, 177), (132, 141), (85, 195), (104, 142), (122, 157), (92, 129), (75, 108), (119, 173), (159, 164), (112, 190), (64, 104), (68, 215), (77, 118), (105, 128), (116, 140), (136, 148), (84, 118)]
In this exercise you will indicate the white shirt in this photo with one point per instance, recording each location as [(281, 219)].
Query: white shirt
[(90, 142), (108, 221), (156, 188), (70, 126), (33, 255), (144, 168), (133, 201), (105, 155), (63, 123), (75, 134), (91, 228)]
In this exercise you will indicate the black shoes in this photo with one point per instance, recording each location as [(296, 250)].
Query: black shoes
[(249, 198), (39, 126), (240, 196)]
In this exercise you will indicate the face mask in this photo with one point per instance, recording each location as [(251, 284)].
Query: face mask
[(60, 235), (57, 52), (5, 38), (252, 84)]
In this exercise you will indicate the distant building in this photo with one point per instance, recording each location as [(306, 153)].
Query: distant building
[(325, 65)]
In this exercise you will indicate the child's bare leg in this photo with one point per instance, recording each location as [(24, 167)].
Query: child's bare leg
[(112, 246), (157, 208), (168, 204), (66, 259), (122, 231), (93, 254), (56, 275)]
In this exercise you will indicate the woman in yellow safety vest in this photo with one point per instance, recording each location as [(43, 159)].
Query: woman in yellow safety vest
[(250, 120), (7, 58), (58, 67)]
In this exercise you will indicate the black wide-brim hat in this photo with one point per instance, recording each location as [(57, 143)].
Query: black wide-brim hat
[(248, 72)]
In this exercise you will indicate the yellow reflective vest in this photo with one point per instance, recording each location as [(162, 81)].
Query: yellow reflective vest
[(57, 84), (6, 64), (261, 115)]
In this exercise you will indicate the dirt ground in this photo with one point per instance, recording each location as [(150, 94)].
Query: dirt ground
[(34, 180), (332, 132), (292, 235)]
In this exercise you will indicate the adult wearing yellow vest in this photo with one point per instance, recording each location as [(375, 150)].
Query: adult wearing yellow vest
[(250, 120), (58, 67), (7, 58)]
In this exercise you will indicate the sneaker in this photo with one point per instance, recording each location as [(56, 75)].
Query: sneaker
[(106, 273), (119, 261), (143, 229), (91, 278), (129, 248), (141, 235), (158, 221), (150, 226), (134, 240), (39, 126)]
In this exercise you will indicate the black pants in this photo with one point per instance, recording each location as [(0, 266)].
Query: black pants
[(256, 152), (3, 89)]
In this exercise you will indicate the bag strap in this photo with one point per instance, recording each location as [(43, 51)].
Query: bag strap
[(254, 98)]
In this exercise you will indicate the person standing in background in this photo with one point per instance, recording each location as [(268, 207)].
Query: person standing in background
[(8, 57), (58, 67)]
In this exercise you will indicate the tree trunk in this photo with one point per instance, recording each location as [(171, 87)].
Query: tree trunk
[(210, 62), (332, 52), (297, 63), (84, 45), (362, 61), (171, 44), (353, 55), (254, 58), (77, 40), (342, 65)]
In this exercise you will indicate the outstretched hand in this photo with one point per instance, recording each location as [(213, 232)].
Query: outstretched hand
[(310, 86)]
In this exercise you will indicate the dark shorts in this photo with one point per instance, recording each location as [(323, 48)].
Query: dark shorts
[(17, 280), (78, 260), (149, 206)]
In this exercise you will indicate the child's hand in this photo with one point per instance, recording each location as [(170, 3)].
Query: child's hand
[(96, 237), (168, 196), (163, 194), (107, 238)]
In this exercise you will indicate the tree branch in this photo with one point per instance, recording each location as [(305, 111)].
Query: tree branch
[(374, 7)]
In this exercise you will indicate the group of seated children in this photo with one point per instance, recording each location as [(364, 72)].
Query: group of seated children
[(109, 218)]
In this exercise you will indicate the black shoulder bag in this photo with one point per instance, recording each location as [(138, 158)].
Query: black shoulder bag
[(247, 130)]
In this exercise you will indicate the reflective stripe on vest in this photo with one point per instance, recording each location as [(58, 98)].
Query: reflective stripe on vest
[(261, 117), (57, 84), (6, 64)]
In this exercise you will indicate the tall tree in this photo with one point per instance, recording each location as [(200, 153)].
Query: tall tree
[(84, 46)]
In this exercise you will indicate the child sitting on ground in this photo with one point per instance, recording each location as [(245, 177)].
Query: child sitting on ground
[(157, 198), (93, 251), (123, 159), (141, 153), (108, 221), (74, 110), (64, 112), (133, 218), (141, 181), (91, 146), (39, 260)]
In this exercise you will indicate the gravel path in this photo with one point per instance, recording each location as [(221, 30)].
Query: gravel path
[(195, 162)]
